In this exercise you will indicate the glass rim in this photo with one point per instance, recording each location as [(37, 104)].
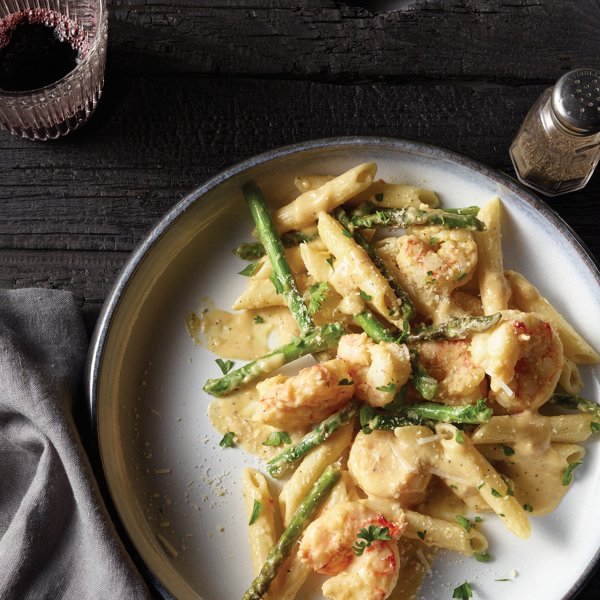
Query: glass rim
[(102, 26)]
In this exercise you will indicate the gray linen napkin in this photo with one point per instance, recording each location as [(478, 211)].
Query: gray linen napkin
[(56, 539)]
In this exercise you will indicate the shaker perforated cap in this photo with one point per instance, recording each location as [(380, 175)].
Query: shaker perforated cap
[(576, 101)]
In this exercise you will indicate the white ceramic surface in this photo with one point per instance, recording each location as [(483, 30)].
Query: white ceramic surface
[(146, 376)]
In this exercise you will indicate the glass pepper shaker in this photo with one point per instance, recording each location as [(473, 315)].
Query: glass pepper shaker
[(558, 144)]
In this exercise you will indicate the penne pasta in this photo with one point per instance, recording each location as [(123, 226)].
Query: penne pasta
[(310, 469), (463, 459), (261, 516), (493, 288), (353, 272), (533, 430), (395, 195), (305, 209)]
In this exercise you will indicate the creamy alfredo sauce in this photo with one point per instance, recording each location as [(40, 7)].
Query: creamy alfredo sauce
[(537, 465), (243, 335)]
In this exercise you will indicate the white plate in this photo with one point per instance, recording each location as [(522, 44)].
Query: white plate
[(146, 376)]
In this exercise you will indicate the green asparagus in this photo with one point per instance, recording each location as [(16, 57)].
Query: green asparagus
[(318, 340), (282, 273), (403, 218), (576, 403), (255, 250), (425, 413), (374, 329), (424, 383), (283, 461), (281, 550), (455, 329)]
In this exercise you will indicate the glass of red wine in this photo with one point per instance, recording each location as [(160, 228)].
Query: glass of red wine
[(52, 56)]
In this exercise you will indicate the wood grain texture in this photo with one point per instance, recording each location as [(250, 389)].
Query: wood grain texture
[(492, 40), (193, 87)]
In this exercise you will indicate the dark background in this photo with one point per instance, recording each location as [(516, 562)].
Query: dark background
[(195, 86)]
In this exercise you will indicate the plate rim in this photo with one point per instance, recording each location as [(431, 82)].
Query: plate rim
[(119, 288)]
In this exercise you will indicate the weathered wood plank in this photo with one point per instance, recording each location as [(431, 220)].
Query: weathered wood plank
[(89, 275), (104, 187), (492, 40)]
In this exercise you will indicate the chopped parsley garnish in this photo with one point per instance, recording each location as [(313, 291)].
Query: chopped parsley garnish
[(504, 579), (345, 381), (430, 277), (318, 294), (433, 241), (478, 519), (508, 451), (496, 493), (346, 232), (595, 427), (330, 260), (258, 319), (480, 485), (390, 387), (224, 365), (249, 270), (461, 276), (276, 438), (422, 534), (568, 474), (463, 592), (463, 522), (459, 437), (482, 556), (366, 536), (256, 508), (528, 507), (364, 296), (227, 440), (379, 197)]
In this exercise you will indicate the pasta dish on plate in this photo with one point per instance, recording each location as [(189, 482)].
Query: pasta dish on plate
[(401, 386)]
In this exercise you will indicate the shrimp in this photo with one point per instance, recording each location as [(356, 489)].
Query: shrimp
[(460, 380), (378, 370), (315, 393), (326, 546), (394, 464), (523, 356), (432, 263)]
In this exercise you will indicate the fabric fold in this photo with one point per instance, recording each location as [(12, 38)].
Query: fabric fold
[(56, 538)]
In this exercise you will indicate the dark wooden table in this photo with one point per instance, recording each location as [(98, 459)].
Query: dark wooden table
[(192, 87)]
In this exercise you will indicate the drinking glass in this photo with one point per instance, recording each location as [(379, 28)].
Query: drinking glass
[(62, 106)]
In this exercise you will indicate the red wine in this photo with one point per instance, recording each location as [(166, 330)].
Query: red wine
[(37, 48)]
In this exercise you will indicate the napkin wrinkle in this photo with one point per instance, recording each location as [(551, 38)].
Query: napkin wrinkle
[(56, 539)]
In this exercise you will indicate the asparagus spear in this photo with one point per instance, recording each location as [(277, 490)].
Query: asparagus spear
[(455, 329), (425, 413), (374, 329), (576, 403), (283, 461), (406, 217), (469, 413), (318, 340), (255, 250), (284, 277), (407, 310), (281, 550)]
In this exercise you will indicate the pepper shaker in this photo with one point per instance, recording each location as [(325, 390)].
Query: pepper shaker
[(558, 144)]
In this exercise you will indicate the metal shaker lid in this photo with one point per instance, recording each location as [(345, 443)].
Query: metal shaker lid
[(576, 101)]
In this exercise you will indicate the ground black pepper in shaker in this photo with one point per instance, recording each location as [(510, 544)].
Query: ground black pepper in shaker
[(558, 144)]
